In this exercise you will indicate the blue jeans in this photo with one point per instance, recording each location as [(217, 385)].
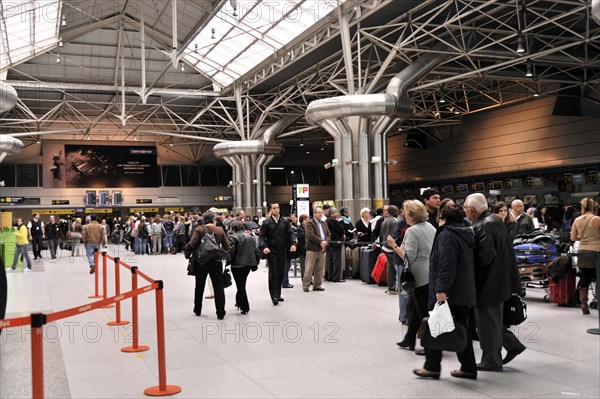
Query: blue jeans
[(140, 245), (168, 241), (21, 249), (89, 251)]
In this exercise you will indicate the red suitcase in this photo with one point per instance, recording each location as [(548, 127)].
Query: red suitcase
[(564, 292), (379, 273)]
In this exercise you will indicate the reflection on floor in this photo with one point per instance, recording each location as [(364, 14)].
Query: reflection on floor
[(336, 343)]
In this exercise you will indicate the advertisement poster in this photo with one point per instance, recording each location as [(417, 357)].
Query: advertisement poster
[(77, 166)]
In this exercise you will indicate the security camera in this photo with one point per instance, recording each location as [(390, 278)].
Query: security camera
[(327, 165), (392, 162), (2, 184)]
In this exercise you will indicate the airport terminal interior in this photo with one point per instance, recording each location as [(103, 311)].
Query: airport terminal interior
[(173, 107)]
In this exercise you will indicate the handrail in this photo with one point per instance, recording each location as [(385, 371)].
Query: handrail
[(38, 320)]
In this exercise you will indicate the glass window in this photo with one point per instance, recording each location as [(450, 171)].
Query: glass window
[(190, 176), (208, 176), (27, 175), (31, 29), (171, 176), (231, 45), (7, 174)]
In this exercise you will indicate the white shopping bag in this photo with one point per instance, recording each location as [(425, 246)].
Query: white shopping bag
[(440, 319)]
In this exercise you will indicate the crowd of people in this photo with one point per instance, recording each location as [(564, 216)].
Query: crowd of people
[(462, 256)]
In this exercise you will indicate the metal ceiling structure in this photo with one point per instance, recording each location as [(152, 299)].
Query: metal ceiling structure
[(124, 69)]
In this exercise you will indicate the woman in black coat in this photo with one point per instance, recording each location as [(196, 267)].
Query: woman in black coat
[(452, 278), (244, 257), (363, 231)]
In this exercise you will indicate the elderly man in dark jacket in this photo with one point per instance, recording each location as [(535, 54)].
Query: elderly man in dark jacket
[(452, 278), (276, 237), (496, 279)]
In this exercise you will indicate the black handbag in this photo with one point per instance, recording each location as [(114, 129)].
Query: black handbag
[(226, 278), (191, 268), (515, 311), (407, 278), (453, 341)]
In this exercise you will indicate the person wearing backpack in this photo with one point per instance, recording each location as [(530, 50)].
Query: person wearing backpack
[(204, 236), (244, 257)]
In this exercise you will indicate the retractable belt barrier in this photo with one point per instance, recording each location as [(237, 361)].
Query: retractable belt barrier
[(38, 320)]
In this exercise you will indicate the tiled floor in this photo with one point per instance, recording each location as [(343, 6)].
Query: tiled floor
[(336, 343)]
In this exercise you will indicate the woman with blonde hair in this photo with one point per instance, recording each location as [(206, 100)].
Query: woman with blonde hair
[(415, 251), (586, 230), (76, 236)]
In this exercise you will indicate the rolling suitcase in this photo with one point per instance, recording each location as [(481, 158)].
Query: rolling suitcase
[(352, 269), (379, 273), (564, 292), (368, 257)]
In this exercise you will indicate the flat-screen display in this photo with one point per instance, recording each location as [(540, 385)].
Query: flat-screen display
[(578, 178), (90, 198)]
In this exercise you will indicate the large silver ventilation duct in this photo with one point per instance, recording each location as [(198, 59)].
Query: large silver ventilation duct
[(278, 127), (245, 148), (392, 105), (596, 11), (8, 146), (8, 97)]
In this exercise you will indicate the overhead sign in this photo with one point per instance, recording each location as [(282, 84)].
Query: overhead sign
[(172, 199), (173, 209), (19, 200), (53, 211), (60, 202), (223, 198), (143, 201), (143, 210), (302, 191), (96, 210)]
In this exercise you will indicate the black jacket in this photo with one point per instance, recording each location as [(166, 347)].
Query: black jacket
[(301, 235), (363, 232), (277, 236), (496, 273), (52, 231), (338, 233), (243, 250), (451, 265)]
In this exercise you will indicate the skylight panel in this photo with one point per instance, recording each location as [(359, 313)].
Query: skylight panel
[(230, 46), (29, 28)]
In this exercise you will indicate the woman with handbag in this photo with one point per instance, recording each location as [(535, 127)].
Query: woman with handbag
[(586, 230), (415, 251), (212, 268), (244, 258), (452, 279)]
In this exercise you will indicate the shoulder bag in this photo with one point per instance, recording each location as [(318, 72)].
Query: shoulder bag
[(407, 278)]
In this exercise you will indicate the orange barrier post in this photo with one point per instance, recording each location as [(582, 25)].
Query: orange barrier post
[(134, 317), (37, 354), (96, 295), (105, 281), (162, 389), (118, 321)]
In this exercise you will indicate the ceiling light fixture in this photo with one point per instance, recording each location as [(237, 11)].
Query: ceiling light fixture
[(196, 48), (213, 33), (322, 148), (60, 42), (135, 137), (89, 136), (529, 72), (442, 100), (37, 140), (64, 21), (58, 60), (171, 143), (520, 48), (182, 66)]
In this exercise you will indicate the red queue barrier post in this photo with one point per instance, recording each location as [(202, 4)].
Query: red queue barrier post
[(118, 321), (105, 281), (134, 317), (97, 270), (37, 354), (162, 389)]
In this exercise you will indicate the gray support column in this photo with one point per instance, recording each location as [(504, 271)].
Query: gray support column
[(364, 162), (337, 170)]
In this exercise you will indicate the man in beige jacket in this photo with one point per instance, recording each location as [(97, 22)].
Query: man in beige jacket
[(317, 239), (93, 233)]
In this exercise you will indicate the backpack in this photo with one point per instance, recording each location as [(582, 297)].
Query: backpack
[(208, 249), (559, 267)]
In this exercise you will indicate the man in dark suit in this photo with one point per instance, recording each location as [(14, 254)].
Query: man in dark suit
[(276, 236), (496, 279)]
